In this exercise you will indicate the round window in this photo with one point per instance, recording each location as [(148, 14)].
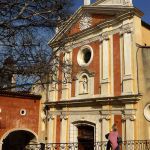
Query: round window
[(147, 112), (85, 56), (23, 112)]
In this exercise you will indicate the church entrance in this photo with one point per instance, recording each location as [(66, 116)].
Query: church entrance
[(86, 137), (18, 140)]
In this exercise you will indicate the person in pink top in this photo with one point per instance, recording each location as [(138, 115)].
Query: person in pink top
[(113, 137)]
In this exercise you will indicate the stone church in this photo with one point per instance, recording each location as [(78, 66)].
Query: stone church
[(109, 42)]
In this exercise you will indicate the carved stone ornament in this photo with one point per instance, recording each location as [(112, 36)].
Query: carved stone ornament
[(126, 29), (85, 22), (104, 36), (147, 112), (63, 116), (128, 3), (106, 117), (128, 117), (51, 117)]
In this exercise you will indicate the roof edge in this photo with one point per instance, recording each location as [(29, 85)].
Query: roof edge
[(146, 25), (20, 95)]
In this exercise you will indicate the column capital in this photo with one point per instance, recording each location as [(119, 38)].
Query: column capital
[(51, 117), (63, 117), (104, 36), (105, 117), (126, 29), (130, 117)]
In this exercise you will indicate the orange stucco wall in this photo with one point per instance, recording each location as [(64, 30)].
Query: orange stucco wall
[(96, 19), (93, 66), (10, 117), (116, 58)]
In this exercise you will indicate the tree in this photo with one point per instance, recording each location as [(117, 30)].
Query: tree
[(24, 53)]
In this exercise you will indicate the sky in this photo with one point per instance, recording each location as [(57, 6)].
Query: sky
[(143, 5)]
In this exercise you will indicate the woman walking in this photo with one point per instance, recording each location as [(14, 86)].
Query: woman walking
[(113, 138)]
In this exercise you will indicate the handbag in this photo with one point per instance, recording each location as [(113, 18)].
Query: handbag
[(119, 140)]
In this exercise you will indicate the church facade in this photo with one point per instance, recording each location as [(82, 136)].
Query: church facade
[(105, 41)]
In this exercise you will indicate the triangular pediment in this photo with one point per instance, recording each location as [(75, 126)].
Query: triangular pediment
[(88, 17), (88, 20)]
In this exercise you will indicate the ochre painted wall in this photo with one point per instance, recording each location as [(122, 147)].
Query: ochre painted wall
[(146, 36)]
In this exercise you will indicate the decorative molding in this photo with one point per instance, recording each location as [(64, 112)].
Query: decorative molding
[(85, 42), (128, 117), (128, 28), (85, 70), (147, 112), (51, 117), (104, 36), (85, 22), (63, 116), (127, 3), (43, 116), (105, 117)]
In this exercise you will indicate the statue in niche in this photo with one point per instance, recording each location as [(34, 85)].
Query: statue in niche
[(84, 84)]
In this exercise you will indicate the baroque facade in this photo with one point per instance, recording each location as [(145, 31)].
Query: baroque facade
[(106, 41)]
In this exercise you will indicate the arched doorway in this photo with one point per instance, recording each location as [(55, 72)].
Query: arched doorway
[(18, 140), (86, 137)]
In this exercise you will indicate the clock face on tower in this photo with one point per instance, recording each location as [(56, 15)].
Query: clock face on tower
[(85, 22)]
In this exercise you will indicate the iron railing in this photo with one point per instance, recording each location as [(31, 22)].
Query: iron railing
[(126, 145)]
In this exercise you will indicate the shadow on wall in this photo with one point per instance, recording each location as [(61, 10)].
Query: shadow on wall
[(146, 65), (18, 140)]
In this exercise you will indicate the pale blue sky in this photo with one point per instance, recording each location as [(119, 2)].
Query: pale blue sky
[(143, 5)]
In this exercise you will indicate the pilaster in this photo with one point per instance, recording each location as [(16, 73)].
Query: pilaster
[(105, 61), (64, 127), (50, 130), (127, 72), (105, 118), (1, 143), (129, 118)]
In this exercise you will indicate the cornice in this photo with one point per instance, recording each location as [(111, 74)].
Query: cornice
[(95, 29), (24, 95), (90, 9), (92, 101), (102, 36)]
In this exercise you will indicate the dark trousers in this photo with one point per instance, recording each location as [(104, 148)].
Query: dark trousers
[(108, 146), (118, 148)]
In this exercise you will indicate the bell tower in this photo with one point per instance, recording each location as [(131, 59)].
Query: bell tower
[(87, 2)]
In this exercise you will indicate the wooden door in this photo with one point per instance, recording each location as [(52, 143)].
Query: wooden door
[(86, 137)]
